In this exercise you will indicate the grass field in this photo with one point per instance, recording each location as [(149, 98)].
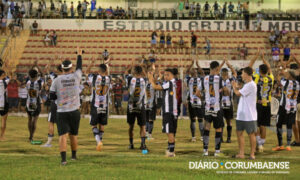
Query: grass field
[(21, 160)]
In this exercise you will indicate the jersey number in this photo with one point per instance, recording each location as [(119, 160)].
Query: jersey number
[(137, 92), (292, 94), (101, 90), (211, 90), (32, 93)]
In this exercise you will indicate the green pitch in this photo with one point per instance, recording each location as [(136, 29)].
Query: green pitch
[(21, 160)]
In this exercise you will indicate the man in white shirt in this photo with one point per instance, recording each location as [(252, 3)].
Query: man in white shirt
[(246, 113)]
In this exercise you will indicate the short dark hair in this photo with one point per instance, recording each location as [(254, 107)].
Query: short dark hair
[(175, 71), (33, 73), (2, 72), (59, 68), (294, 66), (103, 67), (248, 70), (138, 69), (224, 70), (263, 69), (170, 70), (214, 65)]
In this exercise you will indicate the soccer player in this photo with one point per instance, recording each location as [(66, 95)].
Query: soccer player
[(66, 89), (100, 84), (196, 111), (33, 104), (265, 82), (150, 109), (213, 108), (288, 107), (169, 107), (4, 80), (227, 98), (136, 105), (53, 109)]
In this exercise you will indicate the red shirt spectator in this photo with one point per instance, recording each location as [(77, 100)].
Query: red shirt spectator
[(118, 90), (12, 89)]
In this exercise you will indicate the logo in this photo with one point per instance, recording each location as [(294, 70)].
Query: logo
[(171, 93)]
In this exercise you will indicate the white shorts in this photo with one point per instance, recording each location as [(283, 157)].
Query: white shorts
[(275, 58)]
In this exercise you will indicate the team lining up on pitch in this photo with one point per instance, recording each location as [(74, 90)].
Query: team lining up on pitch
[(210, 100)]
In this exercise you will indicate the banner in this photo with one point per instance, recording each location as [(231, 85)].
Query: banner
[(172, 25)]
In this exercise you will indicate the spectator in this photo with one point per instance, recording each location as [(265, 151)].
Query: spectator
[(239, 9), (84, 8), (216, 9), (93, 5), (52, 6), (130, 13), (65, 10), (16, 11), (118, 96), (275, 54), (198, 10), (79, 9), (109, 12), (187, 4), (105, 55), (224, 11), (22, 94), (181, 45), (34, 27), (99, 13), (169, 42), (3, 25), (287, 53), (284, 36), (207, 47), (152, 57), (230, 9), (72, 10), (296, 41), (12, 94), (206, 9), (29, 8), (246, 14), (54, 38), (122, 13), (40, 10), (244, 52), (153, 39), (47, 39), (180, 5), (193, 42), (116, 12), (192, 10), (272, 39), (259, 17), (162, 42), (23, 10)]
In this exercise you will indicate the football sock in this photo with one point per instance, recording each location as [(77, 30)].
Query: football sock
[(218, 140), (289, 136), (192, 126), (205, 139), (96, 134), (63, 156)]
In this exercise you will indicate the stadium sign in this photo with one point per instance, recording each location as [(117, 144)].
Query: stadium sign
[(172, 25)]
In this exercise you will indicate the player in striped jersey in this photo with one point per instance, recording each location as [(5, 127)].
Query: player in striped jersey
[(150, 109), (100, 84), (4, 80), (33, 104), (213, 107), (288, 107), (227, 97), (265, 82), (136, 105), (169, 107), (192, 81), (53, 109)]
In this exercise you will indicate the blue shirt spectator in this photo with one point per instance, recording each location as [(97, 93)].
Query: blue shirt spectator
[(93, 5)]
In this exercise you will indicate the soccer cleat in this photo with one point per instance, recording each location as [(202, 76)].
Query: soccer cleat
[(205, 152), (288, 148), (143, 147), (130, 146), (47, 145), (228, 140), (63, 163), (99, 146), (278, 148), (170, 154), (260, 148), (219, 154), (193, 139)]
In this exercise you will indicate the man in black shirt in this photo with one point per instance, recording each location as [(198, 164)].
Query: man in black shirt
[(193, 43)]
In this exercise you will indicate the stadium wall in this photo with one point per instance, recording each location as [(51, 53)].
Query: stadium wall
[(180, 25)]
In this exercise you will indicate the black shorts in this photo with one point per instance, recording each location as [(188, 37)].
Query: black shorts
[(159, 103), (228, 113), (151, 114), (286, 57), (68, 122), (169, 123), (98, 118), (5, 109), (36, 112), (194, 44), (118, 102), (263, 115), (22, 102), (195, 112), (52, 114), (13, 102), (217, 119), (285, 118), (140, 116)]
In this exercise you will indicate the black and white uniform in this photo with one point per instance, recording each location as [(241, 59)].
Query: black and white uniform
[(169, 107), (158, 98), (227, 100), (213, 97), (53, 106), (194, 102), (288, 103), (4, 107), (100, 99), (137, 100), (34, 100), (151, 104)]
